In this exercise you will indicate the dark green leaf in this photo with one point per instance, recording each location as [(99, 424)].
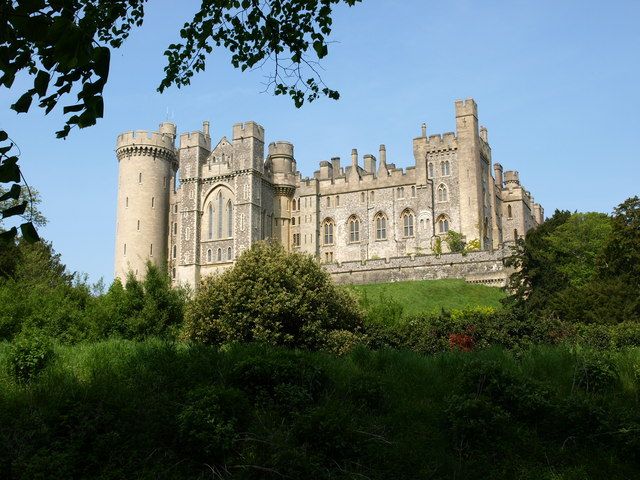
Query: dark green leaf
[(9, 235), (29, 232), (16, 210), (9, 170), (14, 193), (23, 103), (41, 83)]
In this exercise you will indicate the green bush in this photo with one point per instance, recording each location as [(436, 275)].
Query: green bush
[(273, 297), (211, 421), (29, 355)]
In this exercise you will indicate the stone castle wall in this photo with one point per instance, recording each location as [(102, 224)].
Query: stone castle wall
[(476, 267)]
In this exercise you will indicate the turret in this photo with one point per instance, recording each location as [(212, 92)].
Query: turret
[(512, 178), (283, 166), (147, 164), (497, 170)]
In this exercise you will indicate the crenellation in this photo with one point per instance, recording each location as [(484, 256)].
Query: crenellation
[(365, 222)]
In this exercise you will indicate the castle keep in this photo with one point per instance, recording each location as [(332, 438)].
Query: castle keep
[(195, 207)]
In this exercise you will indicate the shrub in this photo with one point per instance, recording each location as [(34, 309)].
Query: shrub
[(273, 297), (595, 372), (29, 355), (210, 421)]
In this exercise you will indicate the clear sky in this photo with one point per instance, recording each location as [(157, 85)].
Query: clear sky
[(556, 85)]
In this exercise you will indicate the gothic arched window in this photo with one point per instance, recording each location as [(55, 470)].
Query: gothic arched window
[(229, 219), (442, 193), (327, 228), (408, 219), (209, 255), (229, 253), (354, 229), (443, 224), (509, 212), (219, 235), (210, 215), (380, 221), (219, 254)]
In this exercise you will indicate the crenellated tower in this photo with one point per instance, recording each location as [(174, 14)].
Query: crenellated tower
[(147, 164)]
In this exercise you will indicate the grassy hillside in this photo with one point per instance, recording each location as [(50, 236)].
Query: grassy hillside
[(428, 295), (121, 409)]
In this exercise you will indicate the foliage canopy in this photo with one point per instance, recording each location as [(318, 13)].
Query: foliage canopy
[(274, 297)]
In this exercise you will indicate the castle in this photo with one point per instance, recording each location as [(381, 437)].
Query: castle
[(194, 208)]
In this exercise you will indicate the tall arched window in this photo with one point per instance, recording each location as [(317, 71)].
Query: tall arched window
[(431, 172), (445, 167), (509, 212), (380, 221), (354, 229), (229, 253), (219, 254), (442, 193), (327, 227), (373, 195), (328, 201), (413, 191), (400, 191), (337, 200), (219, 214), (443, 224), (229, 219), (210, 215), (209, 255), (408, 219)]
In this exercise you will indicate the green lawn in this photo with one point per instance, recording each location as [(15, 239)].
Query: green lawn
[(425, 296)]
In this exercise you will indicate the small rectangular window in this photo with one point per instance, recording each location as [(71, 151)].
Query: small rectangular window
[(138, 224), (140, 177), (153, 201), (151, 250), (126, 202)]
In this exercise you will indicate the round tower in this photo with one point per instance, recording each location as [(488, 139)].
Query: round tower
[(283, 167), (147, 163)]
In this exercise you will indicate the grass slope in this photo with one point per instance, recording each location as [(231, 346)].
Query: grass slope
[(426, 296), (122, 409)]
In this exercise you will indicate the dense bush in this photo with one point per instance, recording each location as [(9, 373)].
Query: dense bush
[(273, 297), (37, 292), (466, 329), (28, 356), (150, 409)]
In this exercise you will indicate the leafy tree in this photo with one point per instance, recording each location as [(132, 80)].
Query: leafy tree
[(621, 255), (577, 243), (569, 268), (13, 200), (274, 297), (455, 241), (535, 275), (140, 309)]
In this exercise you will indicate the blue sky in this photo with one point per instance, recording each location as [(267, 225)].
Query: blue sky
[(556, 84)]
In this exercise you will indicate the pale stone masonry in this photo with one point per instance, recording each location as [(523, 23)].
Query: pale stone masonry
[(195, 207)]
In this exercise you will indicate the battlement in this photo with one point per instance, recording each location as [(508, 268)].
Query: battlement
[(466, 107), (247, 130), (277, 149), (195, 139), (146, 138), (445, 141)]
